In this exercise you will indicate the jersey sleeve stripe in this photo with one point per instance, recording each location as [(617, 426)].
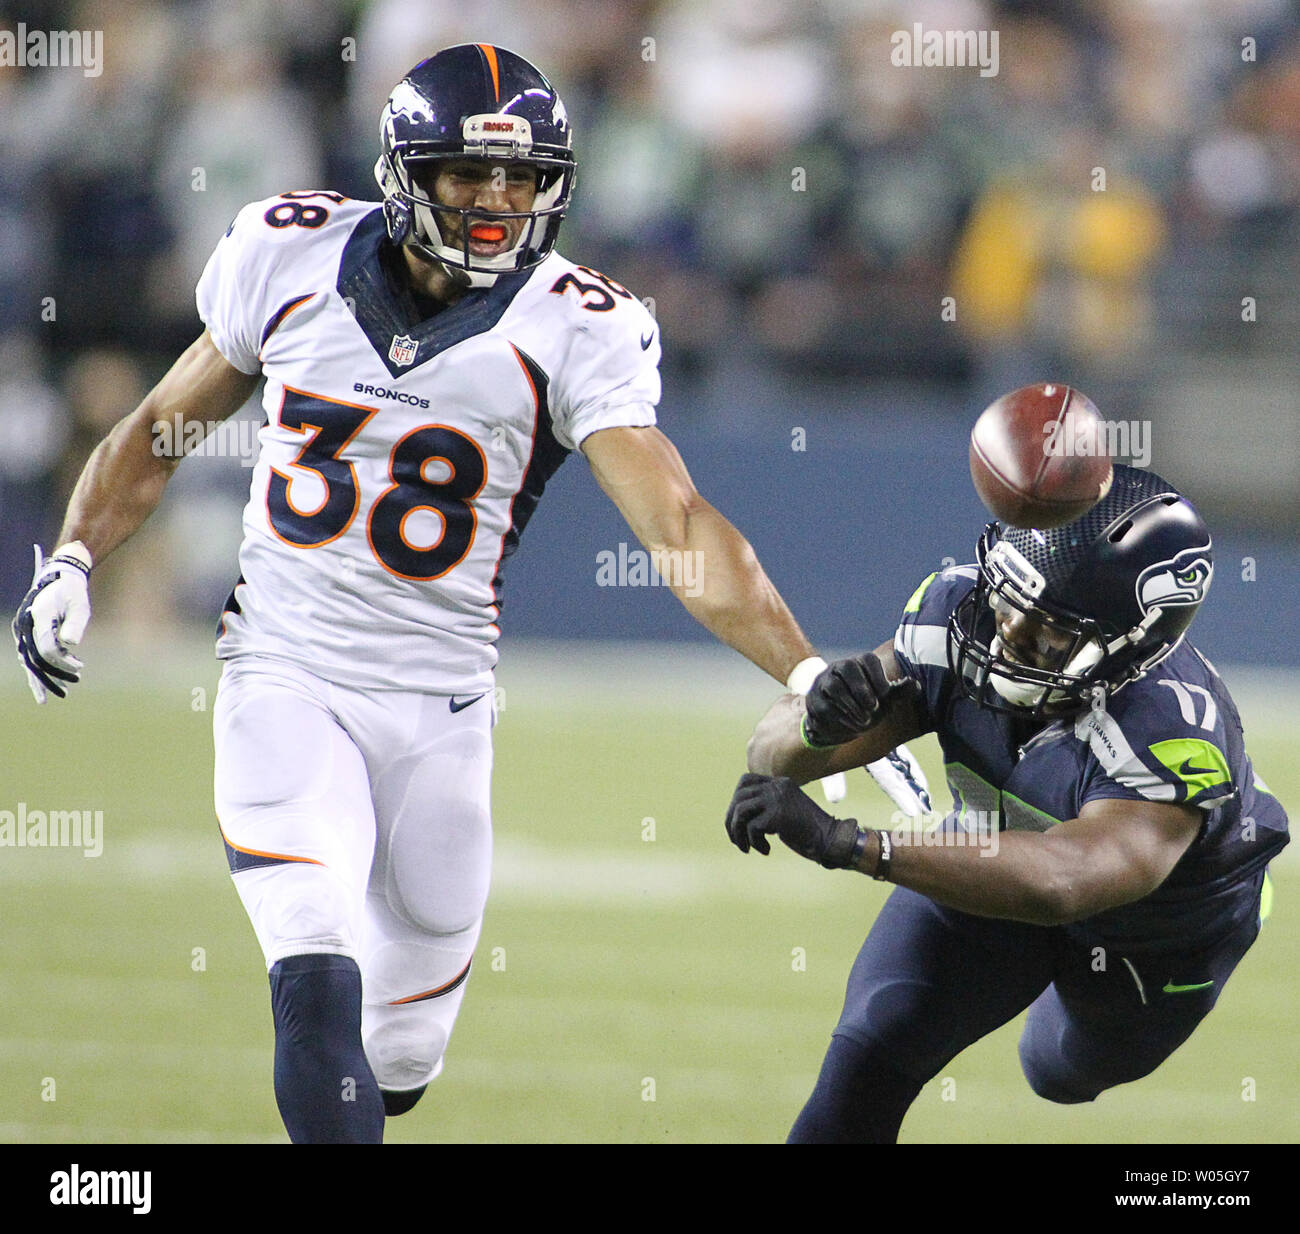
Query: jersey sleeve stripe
[(277, 318), (923, 644), (914, 604), (1112, 750)]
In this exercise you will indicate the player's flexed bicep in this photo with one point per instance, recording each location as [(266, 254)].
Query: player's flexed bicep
[(121, 485)]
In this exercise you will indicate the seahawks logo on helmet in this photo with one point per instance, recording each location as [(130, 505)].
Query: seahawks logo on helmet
[(1177, 581)]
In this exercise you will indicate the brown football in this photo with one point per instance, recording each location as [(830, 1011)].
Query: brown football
[(1038, 456)]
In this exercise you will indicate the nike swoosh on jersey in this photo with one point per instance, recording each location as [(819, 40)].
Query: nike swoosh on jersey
[(1187, 771), (646, 340), (1170, 988), (459, 704)]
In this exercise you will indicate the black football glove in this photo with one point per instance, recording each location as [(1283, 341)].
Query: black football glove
[(845, 700), (763, 805)]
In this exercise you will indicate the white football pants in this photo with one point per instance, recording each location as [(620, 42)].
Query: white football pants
[(358, 823)]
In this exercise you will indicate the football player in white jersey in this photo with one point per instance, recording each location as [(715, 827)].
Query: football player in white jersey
[(429, 363)]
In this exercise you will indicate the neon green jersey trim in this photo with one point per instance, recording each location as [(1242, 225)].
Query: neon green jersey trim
[(914, 604), (1198, 764)]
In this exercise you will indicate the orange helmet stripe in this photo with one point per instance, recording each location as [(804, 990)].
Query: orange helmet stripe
[(490, 54)]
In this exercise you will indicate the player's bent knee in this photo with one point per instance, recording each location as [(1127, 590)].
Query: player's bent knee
[(404, 1045), (418, 890), (1050, 1088), (440, 922), (1050, 1080)]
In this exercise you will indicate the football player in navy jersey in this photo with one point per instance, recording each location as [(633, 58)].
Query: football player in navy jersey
[(1105, 860)]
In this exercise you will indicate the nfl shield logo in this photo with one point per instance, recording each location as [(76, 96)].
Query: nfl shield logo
[(403, 350)]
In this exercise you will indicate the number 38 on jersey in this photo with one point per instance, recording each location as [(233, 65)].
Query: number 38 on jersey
[(432, 468)]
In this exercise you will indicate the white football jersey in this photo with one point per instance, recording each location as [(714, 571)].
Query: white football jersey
[(401, 457)]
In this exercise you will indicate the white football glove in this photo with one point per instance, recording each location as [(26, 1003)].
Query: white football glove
[(52, 620), (900, 775)]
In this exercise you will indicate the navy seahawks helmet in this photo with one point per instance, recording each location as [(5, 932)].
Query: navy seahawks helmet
[(1108, 595), (482, 102)]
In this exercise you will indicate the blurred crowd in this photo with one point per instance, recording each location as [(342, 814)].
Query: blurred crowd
[(789, 199)]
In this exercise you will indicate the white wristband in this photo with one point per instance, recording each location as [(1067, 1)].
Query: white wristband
[(804, 674), (77, 551)]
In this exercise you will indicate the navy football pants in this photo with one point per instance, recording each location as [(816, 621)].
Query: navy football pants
[(930, 980)]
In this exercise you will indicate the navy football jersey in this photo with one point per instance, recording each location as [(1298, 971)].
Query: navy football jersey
[(1172, 736)]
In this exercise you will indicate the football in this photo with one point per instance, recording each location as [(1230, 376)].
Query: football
[(1038, 456)]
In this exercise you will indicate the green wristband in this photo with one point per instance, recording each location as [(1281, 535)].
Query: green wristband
[(803, 736)]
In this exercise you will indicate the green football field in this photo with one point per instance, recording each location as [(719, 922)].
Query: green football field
[(638, 980)]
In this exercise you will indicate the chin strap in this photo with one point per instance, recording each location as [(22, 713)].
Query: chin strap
[(1143, 628)]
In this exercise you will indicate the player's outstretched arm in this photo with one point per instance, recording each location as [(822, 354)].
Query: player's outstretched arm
[(708, 564), (1117, 851), (119, 488)]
